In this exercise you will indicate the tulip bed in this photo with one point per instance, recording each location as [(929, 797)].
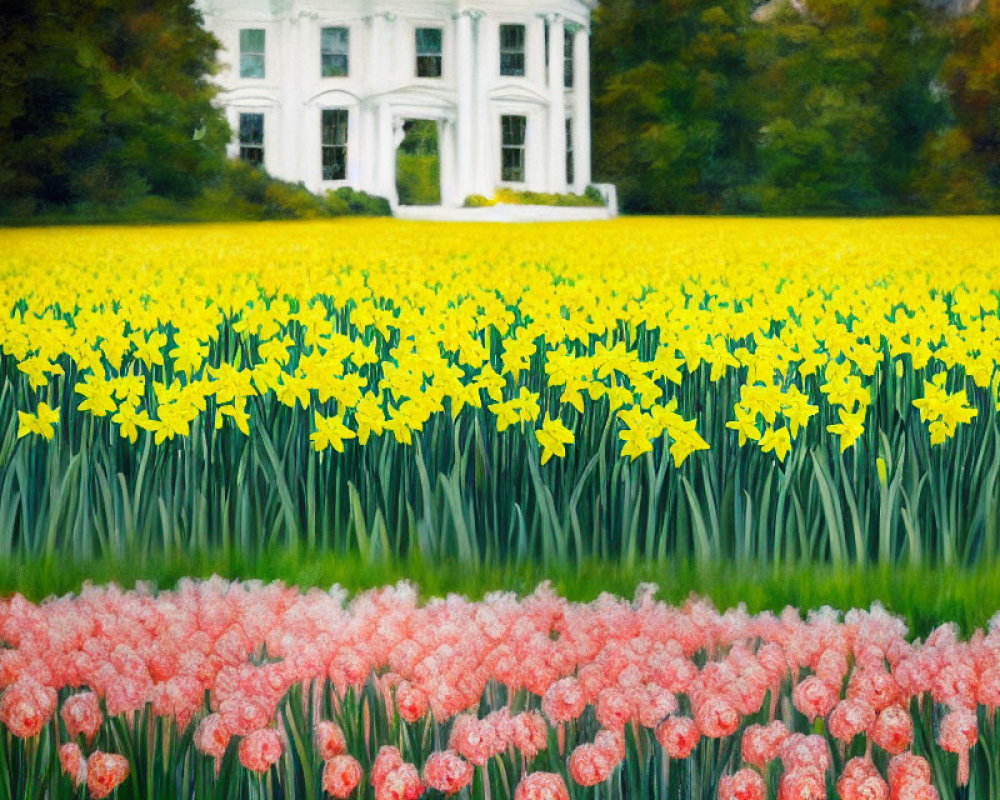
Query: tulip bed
[(220, 689), (481, 408)]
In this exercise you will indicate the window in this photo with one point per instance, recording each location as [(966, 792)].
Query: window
[(568, 59), (252, 139), (512, 154), (252, 53), (512, 50), (334, 45), (334, 133), (569, 151), (428, 52)]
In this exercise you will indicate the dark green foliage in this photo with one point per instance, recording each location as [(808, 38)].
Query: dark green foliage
[(590, 197), (105, 102), (849, 106), (240, 192), (418, 166)]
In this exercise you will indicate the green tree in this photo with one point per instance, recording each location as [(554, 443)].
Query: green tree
[(670, 103), (962, 166), (104, 101), (846, 104)]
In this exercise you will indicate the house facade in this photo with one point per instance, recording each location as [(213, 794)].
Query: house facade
[(319, 91)]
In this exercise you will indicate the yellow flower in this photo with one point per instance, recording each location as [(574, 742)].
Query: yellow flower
[(330, 432), (745, 424), (97, 397), (236, 414), (553, 437), (777, 440), (41, 422), (850, 427)]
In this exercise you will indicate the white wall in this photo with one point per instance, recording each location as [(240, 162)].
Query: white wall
[(382, 88)]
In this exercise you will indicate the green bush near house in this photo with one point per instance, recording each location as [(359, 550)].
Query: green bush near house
[(240, 193), (590, 197)]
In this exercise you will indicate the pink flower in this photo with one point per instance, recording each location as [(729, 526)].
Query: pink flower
[(761, 743), (746, 784), (402, 783), (105, 771), (73, 763), (563, 701), (590, 765), (612, 743), (341, 774), (260, 750), (26, 706), (529, 733), (860, 780), (476, 740), (678, 736), (386, 760), (211, 737), (541, 786), (875, 685), (851, 717), (411, 701), (330, 740), (447, 772), (959, 733), (906, 768), (802, 783), (717, 717), (82, 714), (655, 705), (893, 730), (614, 708), (814, 697), (799, 750)]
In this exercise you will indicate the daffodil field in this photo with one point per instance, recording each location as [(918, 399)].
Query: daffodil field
[(636, 393)]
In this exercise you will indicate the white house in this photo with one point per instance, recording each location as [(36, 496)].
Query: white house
[(318, 90)]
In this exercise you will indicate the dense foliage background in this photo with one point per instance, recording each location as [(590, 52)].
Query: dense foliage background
[(826, 106), (700, 106)]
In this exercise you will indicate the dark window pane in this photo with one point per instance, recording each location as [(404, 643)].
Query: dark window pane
[(512, 50), (569, 151), (513, 130), (252, 53), (334, 137), (568, 60), (513, 165), (334, 163), (428, 66), (334, 40), (428, 41), (252, 129), (334, 126), (334, 65), (512, 37), (253, 155), (334, 51), (252, 40), (512, 152)]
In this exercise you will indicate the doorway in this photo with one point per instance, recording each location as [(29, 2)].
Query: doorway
[(418, 164)]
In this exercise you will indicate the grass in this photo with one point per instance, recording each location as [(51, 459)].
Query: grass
[(924, 596)]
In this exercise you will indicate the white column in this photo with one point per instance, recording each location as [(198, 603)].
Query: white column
[(557, 107), (367, 148), (534, 56), (581, 108), (446, 163), (386, 153), (466, 122), (486, 53), (286, 108)]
